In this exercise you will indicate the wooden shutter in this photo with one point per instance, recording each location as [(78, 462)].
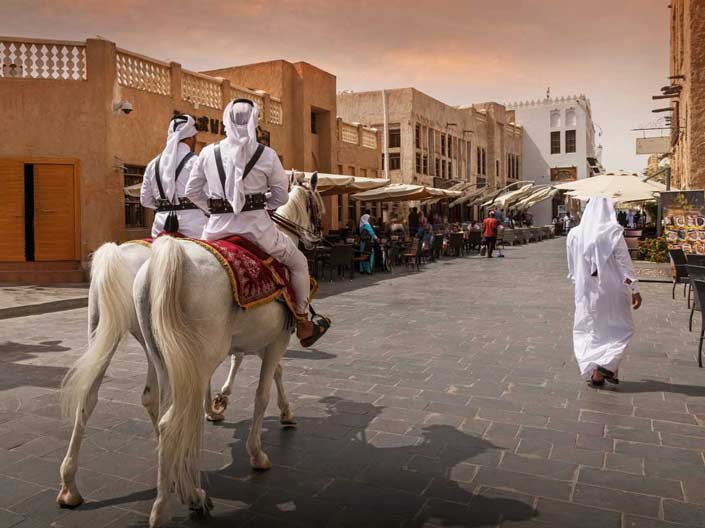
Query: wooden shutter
[(54, 212), (12, 248)]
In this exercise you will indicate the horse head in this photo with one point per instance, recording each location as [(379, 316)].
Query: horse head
[(305, 209)]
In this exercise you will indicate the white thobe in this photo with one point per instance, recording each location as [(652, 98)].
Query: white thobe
[(191, 221), (267, 176), (603, 324)]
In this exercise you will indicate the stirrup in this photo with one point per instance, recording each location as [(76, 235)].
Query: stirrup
[(321, 324)]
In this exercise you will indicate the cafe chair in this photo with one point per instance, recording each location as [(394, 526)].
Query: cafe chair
[(680, 264), (699, 287)]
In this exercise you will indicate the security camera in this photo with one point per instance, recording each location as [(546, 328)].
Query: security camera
[(123, 106)]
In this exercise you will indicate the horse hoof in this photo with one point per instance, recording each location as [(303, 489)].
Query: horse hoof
[(66, 499), (219, 403), (215, 418), (288, 419), (204, 507), (260, 461)]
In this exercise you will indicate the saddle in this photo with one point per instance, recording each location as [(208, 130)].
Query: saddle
[(255, 276)]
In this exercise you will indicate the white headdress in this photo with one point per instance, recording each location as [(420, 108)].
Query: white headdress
[(598, 233), (180, 127), (240, 120)]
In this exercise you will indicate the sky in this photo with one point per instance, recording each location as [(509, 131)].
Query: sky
[(458, 51)]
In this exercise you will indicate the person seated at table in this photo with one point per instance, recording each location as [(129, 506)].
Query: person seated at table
[(367, 240)]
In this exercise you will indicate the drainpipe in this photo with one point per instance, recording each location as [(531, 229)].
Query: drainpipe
[(386, 134)]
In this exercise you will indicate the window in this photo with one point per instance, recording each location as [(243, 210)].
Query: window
[(555, 118), (135, 216), (419, 169), (484, 162), (418, 136), (496, 168), (314, 128), (450, 168), (555, 142), (443, 144), (425, 164), (351, 210), (479, 160), (394, 138), (443, 169), (450, 146), (510, 173), (394, 161), (518, 173), (340, 169), (570, 140), (438, 167), (570, 118)]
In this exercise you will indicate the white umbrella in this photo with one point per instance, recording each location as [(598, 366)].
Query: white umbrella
[(343, 184), (404, 192)]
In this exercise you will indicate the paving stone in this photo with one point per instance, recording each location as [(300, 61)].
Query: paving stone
[(554, 469), (540, 448), (612, 499), (626, 463), (560, 513), (633, 483), (680, 512), (498, 478)]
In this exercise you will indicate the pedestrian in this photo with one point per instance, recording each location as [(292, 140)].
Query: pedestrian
[(489, 231), (568, 223), (606, 289), (413, 221), (367, 240)]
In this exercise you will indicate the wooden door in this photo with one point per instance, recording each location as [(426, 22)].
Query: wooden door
[(54, 212), (12, 248)]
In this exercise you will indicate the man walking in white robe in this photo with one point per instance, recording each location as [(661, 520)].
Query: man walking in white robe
[(606, 289), (239, 202), (164, 183)]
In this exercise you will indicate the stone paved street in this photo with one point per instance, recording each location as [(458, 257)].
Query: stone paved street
[(448, 397)]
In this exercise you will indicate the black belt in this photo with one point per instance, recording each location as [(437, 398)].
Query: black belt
[(253, 202), (164, 206)]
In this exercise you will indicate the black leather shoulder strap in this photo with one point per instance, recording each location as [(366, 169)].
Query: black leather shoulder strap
[(183, 163), (253, 160), (158, 178), (219, 166)]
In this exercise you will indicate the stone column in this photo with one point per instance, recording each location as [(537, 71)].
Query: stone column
[(176, 95)]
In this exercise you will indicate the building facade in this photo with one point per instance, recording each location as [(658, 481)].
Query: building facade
[(70, 147), (559, 145), (432, 143), (687, 88)]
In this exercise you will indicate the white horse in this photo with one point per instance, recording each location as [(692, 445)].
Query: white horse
[(173, 292), (111, 315)]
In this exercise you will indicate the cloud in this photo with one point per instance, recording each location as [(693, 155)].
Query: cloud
[(459, 51)]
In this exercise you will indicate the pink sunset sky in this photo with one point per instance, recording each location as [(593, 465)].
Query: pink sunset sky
[(459, 51)]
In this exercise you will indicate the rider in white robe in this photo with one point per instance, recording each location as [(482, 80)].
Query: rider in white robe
[(606, 289), (266, 177), (181, 140)]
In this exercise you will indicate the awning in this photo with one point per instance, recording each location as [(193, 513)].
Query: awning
[(329, 184), (402, 192)]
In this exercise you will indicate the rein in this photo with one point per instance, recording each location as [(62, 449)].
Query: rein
[(290, 226)]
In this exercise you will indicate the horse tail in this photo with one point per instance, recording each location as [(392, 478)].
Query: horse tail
[(111, 313), (181, 427)]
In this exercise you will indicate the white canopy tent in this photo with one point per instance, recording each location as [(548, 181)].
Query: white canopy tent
[(343, 184), (505, 199), (619, 186), (403, 192)]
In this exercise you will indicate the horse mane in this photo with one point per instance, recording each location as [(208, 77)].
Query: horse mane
[(296, 208)]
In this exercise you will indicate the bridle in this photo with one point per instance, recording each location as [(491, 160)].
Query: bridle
[(297, 229)]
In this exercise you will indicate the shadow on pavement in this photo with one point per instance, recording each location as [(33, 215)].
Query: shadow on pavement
[(329, 471), (14, 374), (659, 386)]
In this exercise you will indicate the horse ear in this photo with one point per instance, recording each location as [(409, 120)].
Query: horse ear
[(314, 181)]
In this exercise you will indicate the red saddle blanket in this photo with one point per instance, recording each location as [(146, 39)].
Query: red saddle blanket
[(256, 277)]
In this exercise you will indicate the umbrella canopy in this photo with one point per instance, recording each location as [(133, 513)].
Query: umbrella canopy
[(342, 184), (471, 195), (505, 199), (618, 186), (133, 190), (542, 194), (461, 187), (403, 192)]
